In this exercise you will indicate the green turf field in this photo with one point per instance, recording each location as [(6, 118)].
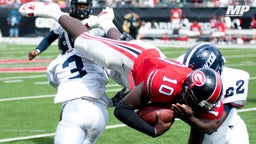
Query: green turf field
[(29, 116)]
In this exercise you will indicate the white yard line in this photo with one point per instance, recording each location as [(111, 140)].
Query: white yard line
[(43, 96), (50, 134), (51, 95), (26, 97), (21, 77)]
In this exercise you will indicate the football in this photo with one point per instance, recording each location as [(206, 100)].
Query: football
[(148, 113)]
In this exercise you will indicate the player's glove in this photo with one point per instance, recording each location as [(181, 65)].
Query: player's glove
[(92, 22), (106, 14), (105, 19), (33, 54), (125, 36), (119, 96)]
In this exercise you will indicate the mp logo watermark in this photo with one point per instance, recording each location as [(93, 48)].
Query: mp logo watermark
[(237, 10)]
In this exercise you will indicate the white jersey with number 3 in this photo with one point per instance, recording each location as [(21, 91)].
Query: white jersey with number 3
[(81, 87), (76, 77)]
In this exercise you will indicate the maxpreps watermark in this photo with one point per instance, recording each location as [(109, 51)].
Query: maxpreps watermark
[(237, 10)]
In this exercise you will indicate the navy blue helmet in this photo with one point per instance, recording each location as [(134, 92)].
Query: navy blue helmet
[(80, 13), (204, 55)]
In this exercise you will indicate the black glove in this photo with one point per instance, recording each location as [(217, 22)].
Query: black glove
[(119, 96)]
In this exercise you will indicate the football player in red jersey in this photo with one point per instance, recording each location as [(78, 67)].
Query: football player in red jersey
[(150, 76), (163, 81), (175, 17)]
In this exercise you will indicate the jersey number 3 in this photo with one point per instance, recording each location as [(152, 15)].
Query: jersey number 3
[(75, 65)]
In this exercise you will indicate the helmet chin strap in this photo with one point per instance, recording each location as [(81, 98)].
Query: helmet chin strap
[(205, 105)]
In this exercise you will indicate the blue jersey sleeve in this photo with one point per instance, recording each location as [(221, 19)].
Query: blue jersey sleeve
[(47, 40)]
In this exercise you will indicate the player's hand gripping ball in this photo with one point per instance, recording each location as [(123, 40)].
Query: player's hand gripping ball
[(148, 113)]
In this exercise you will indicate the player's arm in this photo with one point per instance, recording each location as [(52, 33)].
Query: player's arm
[(43, 45), (206, 124), (118, 96), (75, 28), (124, 111), (113, 33), (196, 136), (105, 22)]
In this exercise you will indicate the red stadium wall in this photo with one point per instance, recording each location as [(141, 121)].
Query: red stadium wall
[(33, 27)]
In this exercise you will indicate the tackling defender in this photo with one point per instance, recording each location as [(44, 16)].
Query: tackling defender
[(235, 88)]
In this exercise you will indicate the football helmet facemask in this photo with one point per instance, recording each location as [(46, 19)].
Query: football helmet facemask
[(204, 55), (202, 89), (80, 9)]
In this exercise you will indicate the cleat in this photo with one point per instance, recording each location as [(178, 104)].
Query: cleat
[(42, 9)]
